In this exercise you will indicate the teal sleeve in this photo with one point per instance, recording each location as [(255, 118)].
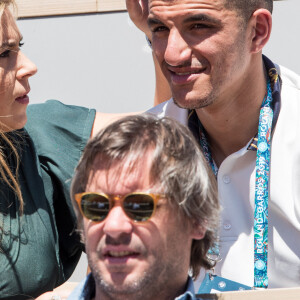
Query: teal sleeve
[(59, 133), (56, 128)]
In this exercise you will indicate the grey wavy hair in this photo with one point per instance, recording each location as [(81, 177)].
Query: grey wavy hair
[(178, 169)]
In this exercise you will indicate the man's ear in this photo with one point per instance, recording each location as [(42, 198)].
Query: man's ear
[(198, 231), (261, 26)]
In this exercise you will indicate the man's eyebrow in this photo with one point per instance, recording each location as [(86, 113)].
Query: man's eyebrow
[(201, 18), (194, 18), (152, 21)]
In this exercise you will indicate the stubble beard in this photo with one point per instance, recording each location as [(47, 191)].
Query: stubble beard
[(144, 287), (197, 103), (214, 92), (200, 95)]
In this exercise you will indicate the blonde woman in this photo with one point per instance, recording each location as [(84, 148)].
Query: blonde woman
[(39, 247)]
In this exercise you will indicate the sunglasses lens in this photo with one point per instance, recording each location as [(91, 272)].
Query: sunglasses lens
[(95, 207), (139, 207)]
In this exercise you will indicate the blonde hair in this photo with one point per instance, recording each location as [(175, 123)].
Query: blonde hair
[(7, 175), (6, 3)]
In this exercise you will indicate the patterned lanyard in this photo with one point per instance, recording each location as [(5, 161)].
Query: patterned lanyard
[(262, 192), (261, 188), (205, 148)]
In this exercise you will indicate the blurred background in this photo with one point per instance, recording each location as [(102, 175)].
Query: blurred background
[(101, 60)]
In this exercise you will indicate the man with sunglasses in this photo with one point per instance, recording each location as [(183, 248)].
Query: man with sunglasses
[(147, 211)]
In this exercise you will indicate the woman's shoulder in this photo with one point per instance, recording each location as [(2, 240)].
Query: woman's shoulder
[(54, 110), (59, 124)]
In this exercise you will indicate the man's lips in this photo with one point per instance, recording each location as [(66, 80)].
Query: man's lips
[(119, 256), (121, 253), (183, 76)]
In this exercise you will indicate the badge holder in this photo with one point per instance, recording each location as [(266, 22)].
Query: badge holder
[(214, 284)]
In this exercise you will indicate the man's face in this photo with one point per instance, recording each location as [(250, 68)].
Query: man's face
[(201, 48), (136, 259)]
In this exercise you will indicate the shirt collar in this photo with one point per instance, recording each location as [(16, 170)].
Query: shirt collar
[(84, 289), (87, 290), (189, 293)]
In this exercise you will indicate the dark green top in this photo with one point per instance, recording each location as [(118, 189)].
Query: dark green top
[(41, 249)]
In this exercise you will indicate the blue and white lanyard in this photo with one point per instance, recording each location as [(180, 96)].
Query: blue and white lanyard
[(261, 188), (263, 156)]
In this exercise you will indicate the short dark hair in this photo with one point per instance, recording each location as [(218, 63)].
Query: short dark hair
[(247, 7), (179, 170)]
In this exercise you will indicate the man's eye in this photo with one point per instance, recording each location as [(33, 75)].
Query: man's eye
[(200, 26), (160, 28), (5, 53)]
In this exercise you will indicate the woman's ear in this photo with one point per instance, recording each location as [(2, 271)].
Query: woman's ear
[(261, 26)]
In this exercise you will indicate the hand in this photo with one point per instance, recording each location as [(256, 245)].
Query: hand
[(138, 13)]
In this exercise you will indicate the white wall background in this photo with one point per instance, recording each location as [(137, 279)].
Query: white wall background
[(96, 60), (284, 45), (103, 61)]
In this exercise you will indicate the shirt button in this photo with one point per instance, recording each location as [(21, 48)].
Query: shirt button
[(227, 226), (226, 179)]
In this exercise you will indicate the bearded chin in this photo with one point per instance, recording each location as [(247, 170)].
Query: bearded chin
[(134, 289), (193, 104), (131, 288)]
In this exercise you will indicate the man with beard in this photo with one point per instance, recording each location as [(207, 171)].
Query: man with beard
[(244, 111), (147, 210)]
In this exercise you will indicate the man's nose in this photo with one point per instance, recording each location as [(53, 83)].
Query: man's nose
[(117, 222), (177, 50)]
